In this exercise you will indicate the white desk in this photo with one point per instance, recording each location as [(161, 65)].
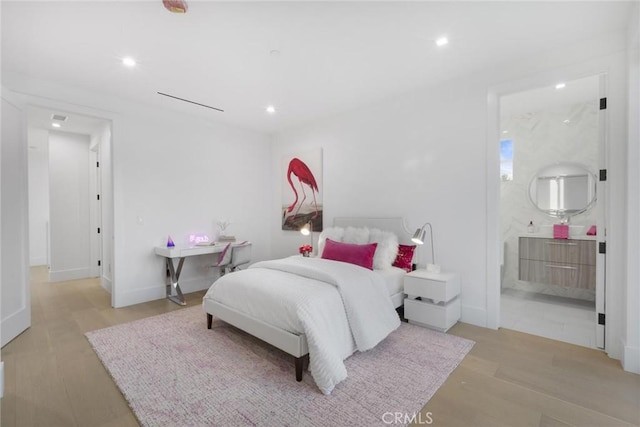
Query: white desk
[(173, 274)]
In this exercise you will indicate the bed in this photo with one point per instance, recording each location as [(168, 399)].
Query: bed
[(288, 304)]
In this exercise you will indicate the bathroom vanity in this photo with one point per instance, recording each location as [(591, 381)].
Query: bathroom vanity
[(561, 262)]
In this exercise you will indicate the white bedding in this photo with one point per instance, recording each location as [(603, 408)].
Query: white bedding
[(339, 307), (393, 278)]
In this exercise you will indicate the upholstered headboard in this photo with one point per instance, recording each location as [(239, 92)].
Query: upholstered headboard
[(393, 224)]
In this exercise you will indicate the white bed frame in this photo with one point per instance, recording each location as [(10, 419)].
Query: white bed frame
[(296, 344)]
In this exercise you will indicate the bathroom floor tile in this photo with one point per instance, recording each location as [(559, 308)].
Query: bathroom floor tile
[(559, 318)]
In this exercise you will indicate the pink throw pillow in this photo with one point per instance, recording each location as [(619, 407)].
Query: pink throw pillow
[(404, 257), (361, 255)]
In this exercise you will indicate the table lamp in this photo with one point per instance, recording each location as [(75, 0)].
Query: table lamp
[(418, 238)]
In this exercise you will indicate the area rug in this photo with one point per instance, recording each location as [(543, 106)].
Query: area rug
[(174, 371)]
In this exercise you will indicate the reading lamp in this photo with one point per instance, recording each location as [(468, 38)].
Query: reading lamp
[(307, 230), (418, 238)]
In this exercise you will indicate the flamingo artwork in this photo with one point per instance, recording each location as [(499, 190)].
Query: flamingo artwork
[(298, 168)]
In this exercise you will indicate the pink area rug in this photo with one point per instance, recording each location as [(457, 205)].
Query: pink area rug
[(173, 371)]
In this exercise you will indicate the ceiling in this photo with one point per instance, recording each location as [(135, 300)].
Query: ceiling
[(41, 118), (586, 89), (308, 59)]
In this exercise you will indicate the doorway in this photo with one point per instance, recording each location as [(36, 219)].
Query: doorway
[(65, 200), (542, 292)]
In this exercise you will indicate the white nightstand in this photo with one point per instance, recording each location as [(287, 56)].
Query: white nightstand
[(438, 306)]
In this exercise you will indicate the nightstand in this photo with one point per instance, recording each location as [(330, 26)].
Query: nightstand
[(432, 299)]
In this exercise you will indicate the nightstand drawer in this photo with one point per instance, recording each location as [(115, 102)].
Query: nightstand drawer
[(435, 316), (437, 287)]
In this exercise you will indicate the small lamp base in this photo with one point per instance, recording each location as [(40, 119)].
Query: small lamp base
[(433, 268)]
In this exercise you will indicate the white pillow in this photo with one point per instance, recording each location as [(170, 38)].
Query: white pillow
[(387, 249), (358, 236), (333, 233)]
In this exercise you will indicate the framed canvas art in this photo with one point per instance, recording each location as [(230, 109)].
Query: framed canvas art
[(302, 190)]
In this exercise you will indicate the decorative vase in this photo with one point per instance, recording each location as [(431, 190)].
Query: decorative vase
[(305, 254)]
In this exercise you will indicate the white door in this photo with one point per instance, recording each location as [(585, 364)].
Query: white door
[(601, 265), (96, 212), (15, 304)]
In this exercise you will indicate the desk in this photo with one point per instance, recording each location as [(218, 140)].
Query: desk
[(173, 275)]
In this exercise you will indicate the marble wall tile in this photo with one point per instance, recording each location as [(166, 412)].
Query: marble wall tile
[(541, 139)]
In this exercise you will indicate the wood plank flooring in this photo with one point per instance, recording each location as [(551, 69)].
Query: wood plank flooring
[(53, 377)]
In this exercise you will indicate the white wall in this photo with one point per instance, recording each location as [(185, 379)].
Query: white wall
[(415, 156), (69, 206), (631, 338), (182, 176), (38, 141), (423, 155)]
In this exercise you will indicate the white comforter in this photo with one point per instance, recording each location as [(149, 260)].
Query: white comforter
[(334, 304)]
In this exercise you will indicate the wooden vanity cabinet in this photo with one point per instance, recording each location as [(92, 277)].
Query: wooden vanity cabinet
[(561, 262)]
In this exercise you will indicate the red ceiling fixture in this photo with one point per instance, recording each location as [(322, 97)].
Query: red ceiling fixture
[(175, 6)]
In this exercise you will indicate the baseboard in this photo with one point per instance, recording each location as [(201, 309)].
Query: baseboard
[(14, 324), (631, 359), (474, 315), (34, 262), (106, 283), (138, 296), (63, 275), (153, 293), (1, 379)]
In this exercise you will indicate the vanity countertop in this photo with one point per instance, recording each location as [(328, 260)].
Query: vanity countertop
[(576, 232), (550, 236)]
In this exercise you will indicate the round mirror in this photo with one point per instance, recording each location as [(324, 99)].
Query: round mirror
[(563, 190)]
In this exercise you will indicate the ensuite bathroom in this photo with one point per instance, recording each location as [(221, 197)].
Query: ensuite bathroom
[(551, 211)]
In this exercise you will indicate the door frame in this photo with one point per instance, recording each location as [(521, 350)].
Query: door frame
[(493, 182), (114, 120), (602, 195), (96, 210), (16, 322)]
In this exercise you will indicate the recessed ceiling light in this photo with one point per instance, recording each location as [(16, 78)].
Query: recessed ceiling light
[(505, 131), (271, 109), (566, 121), (128, 61), (442, 41), (56, 125), (560, 86)]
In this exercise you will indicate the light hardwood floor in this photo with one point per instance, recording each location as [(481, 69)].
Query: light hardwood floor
[(53, 378)]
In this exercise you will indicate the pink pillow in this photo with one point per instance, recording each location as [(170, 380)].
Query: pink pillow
[(404, 257), (361, 255)]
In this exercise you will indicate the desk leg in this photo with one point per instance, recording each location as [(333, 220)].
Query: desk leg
[(172, 282)]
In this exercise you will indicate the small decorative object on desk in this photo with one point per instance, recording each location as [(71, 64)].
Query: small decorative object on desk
[(170, 243), (224, 237), (305, 250)]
